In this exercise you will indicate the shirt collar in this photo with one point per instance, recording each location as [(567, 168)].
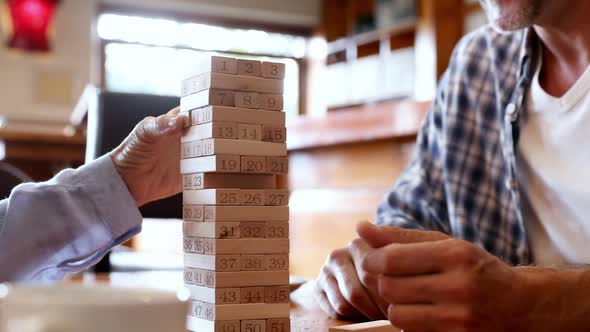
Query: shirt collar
[(528, 55)]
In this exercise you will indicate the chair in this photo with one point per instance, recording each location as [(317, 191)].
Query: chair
[(111, 117)]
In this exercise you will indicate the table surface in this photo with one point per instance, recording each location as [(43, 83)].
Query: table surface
[(306, 314)]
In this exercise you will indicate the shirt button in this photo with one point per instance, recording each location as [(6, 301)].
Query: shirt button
[(510, 183), (511, 113)]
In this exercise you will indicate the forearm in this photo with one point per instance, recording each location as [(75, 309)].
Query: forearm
[(558, 299), (65, 224)]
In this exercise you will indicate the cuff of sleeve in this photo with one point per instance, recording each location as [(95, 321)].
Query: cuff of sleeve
[(112, 199)]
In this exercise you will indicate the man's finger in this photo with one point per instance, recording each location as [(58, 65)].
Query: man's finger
[(411, 290), (354, 292), (337, 300), (358, 248), (409, 259), (322, 299), (379, 236), (415, 317)]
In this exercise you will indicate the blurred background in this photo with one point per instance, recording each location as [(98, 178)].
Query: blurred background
[(75, 76)]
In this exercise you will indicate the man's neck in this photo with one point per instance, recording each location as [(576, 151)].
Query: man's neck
[(565, 37)]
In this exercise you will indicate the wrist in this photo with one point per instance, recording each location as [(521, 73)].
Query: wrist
[(125, 175)]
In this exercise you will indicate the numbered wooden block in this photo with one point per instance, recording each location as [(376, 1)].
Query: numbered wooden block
[(218, 146), (246, 213), (193, 212), (253, 165), (274, 262), (216, 64), (213, 197), (252, 295), (199, 277), (249, 132), (249, 67), (193, 245), (252, 263), (252, 230), (209, 246), (217, 163), (258, 325), (220, 180), (276, 197), (227, 130), (275, 230), (278, 325), (198, 325), (243, 278), (239, 115), (221, 230), (274, 70), (207, 97), (247, 246), (252, 197), (274, 134), (214, 295), (375, 326), (276, 294), (270, 102), (233, 82), (212, 263), (277, 165), (190, 149), (247, 100), (238, 311)]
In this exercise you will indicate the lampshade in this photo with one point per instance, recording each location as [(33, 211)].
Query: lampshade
[(30, 24)]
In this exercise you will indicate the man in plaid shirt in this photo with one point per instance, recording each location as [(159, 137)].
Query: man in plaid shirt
[(497, 183)]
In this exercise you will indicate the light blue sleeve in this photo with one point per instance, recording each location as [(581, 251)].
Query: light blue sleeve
[(66, 224)]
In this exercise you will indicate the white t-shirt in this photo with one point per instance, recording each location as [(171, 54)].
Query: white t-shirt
[(554, 172)]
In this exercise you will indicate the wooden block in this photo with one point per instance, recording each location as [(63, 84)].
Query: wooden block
[(212, 263), (249, 67), (278, 325), (273, 70), (243, 246), (216, 64), (217, 197), (255, 325), (215, 230), (217, 163), (193, 212), (274, 134), (270, 102), (375, 326), (209, 311), (247, 100), (252, 197), (228, 130), (219, 180), (233, 82), (207, 97), (276, 294), (199, 325), (250, 164), (218, 146), (249, 132), (208, 278), (253, 230), (275, 230), (191, 149), (252, 263), (193, 245), (276, 197), (239, 115), (246, 213), (277, 165), (215, 295), (274, 262), (252, 295)]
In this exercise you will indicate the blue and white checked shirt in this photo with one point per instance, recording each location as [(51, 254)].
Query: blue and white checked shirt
[(462, 180)]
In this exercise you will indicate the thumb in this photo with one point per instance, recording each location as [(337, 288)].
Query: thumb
[(378, 237), (168, 124)]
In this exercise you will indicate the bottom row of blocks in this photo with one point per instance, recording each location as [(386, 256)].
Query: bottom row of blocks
[(254, 325)]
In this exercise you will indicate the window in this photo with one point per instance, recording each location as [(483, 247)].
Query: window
[(150, 55)]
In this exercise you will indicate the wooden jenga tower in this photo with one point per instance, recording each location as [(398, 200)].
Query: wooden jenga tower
[(235, 219)]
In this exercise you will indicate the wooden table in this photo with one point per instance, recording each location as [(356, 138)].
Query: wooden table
[(306, 314)]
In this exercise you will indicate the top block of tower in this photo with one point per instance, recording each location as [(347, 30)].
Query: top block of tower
[(216, 64)]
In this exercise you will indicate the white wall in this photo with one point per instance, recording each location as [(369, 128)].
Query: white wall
[(75, 53)]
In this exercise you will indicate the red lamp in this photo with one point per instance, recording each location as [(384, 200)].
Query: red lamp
[(30, 24)]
